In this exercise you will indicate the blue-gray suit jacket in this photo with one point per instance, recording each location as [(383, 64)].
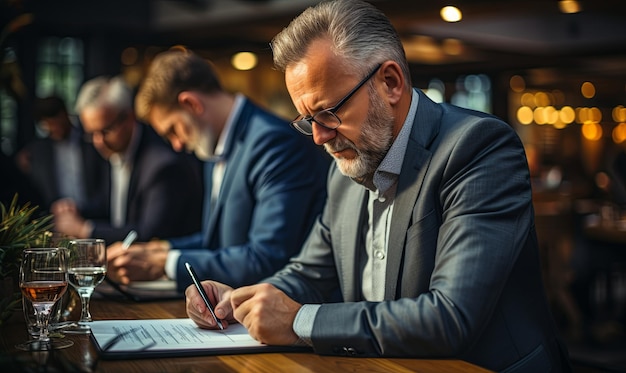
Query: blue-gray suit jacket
[(463, 277), (274, 187)]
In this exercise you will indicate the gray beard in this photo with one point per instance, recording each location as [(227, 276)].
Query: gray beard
[(376, 137), (203, 149)]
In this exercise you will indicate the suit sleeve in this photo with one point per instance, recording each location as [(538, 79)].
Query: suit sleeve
[(285, 179)]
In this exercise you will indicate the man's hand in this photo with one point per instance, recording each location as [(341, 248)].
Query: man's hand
[(67, 219), (219, 296), (266, 312), (140, 262)]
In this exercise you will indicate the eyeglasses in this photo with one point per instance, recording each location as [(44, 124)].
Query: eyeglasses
[(112, 126), (327, 118)]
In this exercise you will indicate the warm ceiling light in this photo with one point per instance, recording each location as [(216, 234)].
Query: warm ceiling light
[(569, 6), (588, 90), (525, 115), (619, 133), (129, 56), (450, 14), (567, 114), (244, 61), (517, 84), (619, 113), (591, 131), (452, 47)]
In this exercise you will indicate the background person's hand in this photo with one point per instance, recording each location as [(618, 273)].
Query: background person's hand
[(67, 219), (267, 313), (140, 262), (219, 296)]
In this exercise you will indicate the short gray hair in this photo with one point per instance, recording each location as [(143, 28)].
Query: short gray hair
[(105, 92), (360, 33)]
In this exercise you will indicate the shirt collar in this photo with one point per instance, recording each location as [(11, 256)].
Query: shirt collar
[(128, 155), (389, 168), (220, 148)]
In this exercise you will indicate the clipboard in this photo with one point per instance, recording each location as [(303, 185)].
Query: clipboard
[(161, 338), (140, 291)]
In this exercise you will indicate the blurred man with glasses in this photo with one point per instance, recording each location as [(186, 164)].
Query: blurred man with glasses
[(150, 189), (265, 183), (428, 230)]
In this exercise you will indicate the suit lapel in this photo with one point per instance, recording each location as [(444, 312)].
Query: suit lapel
[(414, 168), (352, 241), (137, 166), (230, 156), (409, 185)]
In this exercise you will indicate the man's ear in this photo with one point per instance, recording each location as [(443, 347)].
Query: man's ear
[(190, 101), (394, 81)]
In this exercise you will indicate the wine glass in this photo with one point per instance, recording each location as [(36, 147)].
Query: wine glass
[(87, 266), (43, 280)]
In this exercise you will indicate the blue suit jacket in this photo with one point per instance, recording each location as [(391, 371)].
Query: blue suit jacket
[(462, 276), (164, 193), (273, 188)]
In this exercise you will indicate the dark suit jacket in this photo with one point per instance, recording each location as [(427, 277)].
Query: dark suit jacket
[(462, 276), (273, 188), (44, 176), (164, 193)]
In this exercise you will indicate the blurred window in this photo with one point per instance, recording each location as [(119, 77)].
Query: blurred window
[(59, 71)]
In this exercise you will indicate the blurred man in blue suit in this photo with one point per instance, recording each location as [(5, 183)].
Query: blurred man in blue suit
[(264, 184)]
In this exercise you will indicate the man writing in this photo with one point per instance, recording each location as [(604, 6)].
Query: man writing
[(428, 229), (265, 184)]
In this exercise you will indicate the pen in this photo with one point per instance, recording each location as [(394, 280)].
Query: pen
[(203, 294), (128, 240), (130, 237)]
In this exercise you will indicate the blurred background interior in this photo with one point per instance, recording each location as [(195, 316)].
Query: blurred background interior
[(555, 70)]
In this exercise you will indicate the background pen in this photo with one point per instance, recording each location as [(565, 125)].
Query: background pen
[(130, 238)]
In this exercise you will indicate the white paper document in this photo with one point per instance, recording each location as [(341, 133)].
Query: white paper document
[(169, 337)]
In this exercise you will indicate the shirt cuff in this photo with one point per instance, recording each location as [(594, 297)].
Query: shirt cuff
[(171, 263), (303, 323)]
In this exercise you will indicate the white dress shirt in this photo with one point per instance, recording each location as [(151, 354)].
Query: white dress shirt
[(121, 170), (380, 208)]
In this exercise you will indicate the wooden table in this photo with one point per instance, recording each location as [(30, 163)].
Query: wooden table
[(82, 357)]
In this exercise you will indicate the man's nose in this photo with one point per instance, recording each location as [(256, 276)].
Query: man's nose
[(97, 138), (322, 135), (177, 145)]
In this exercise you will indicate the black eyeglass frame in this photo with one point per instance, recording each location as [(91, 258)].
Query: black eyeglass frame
[(112, 126), (304, 125)]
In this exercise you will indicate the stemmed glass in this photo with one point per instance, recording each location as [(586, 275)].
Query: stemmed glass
[(87, 266), (43, 280)]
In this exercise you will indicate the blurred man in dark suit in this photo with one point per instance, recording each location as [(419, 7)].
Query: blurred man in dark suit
[(62, 164), (151, 189)]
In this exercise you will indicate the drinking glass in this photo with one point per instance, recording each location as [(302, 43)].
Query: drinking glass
[(43, 280), (87, 266)]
